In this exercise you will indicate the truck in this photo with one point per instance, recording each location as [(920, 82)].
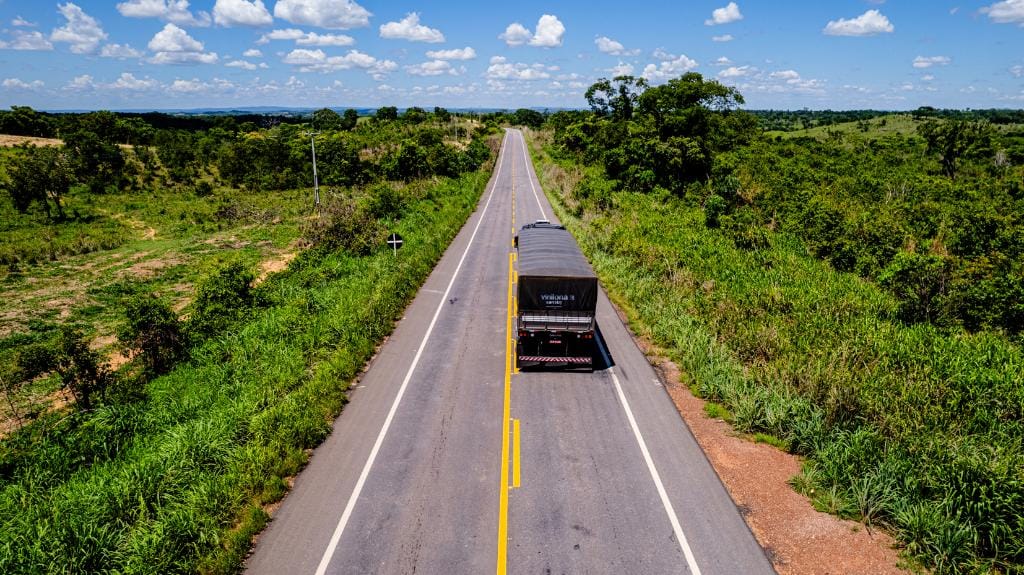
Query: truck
[(556, 299)]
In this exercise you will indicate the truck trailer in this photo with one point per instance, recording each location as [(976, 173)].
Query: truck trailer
[(556, 299)]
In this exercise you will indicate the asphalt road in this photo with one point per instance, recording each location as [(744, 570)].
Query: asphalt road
[(446, 460)]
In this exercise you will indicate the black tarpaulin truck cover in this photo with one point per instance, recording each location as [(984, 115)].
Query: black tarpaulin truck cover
[(553, 274)]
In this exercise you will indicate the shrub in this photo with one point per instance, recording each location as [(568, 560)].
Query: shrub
[(714, 209), (918, 281), (80, 369), (348, 227), (222, 299), (152, 332)]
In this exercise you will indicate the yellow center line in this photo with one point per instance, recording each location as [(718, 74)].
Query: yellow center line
[(502, 563), (516, 472)]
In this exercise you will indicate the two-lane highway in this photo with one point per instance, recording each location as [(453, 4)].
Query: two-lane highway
[(447, 460)]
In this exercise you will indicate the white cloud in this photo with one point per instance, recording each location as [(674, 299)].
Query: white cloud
[(1006, 12), (81, 30), (516, 34), (317, 61), (662, 54), (19, 84), (334, 14), (128, 81), (188, 86), (785, 75), (728, 13), (241, 13), (285, 34), (120, 51), (173, 45), (33, 40), (241, 64), (929, 61), (432, 68), (867, 24), (174, 39), (549, 33), (409, 28), (314, 39), (723, 61), (613, 47), (737, 72), (927, 78), (722, 38), (502, 69), (621, 69), (1017, 71), (466, 53), (19, 21), (83, 82), (670, 68), (252, 53), (175, 11)]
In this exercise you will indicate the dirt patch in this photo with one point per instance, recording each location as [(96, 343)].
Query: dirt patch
[(273, 265), (798, 539), (146, 269), (9, 141)]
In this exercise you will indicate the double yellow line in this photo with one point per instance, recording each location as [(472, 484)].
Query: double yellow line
[(510, 368)]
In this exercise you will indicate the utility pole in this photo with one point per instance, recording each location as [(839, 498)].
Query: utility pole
[(316, 181)]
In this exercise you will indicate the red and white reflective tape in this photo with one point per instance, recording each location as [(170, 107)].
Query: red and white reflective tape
[(551, 359)]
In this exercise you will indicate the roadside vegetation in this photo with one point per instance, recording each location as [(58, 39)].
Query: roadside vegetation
[(854, 298), (180, 326)]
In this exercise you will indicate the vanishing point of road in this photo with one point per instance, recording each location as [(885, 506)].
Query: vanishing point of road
[(449, 460)]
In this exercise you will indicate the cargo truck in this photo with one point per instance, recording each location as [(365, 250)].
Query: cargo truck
[(556, 299)]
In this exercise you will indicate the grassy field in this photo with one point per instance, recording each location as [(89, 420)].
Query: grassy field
[(178, 482), (79, 271), (880, 127), (914, 428)]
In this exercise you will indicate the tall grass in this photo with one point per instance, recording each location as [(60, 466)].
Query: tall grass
[(909, 427), (177, 483)]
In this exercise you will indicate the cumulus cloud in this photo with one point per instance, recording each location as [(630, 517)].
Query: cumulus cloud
[(670, 68), (120, 51), (1017, 71), (613, 47), (621, 69), (432, 68), (188, 86), (176, 11), (785, 75), (516, 34), (501, 69), (869, 23), (23, 40), (723, 61), (334, 14), (722, 38), (307, 60), (724, 15), (252, 53), (19, 21), (307, 38), (929, 61), (737, 72), (19, 84), (241, 13), (1006, 12), (466, 53), (243, 64), (549, 33), (409, 28), (81, 30), (83, 82), (173, 45), (128, 81)]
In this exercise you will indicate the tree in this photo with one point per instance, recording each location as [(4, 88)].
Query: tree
[(80, 369), (441, 114), (955, 139), (41, 176), (96, 162), (386, 113), (326, 119), (616, 98), (414, 115), (528, 117), (349, 120)]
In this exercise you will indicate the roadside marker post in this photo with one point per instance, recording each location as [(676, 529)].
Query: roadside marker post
[(395, 241)]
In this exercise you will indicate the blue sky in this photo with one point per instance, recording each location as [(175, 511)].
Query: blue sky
[(153, 54)]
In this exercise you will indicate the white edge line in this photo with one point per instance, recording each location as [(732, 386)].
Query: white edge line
[(336, 537), (530, 175), (691, 562)]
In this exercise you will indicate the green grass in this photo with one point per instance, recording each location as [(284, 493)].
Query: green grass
[(717, 411), (888, 125), (913, 427), (177, 482)]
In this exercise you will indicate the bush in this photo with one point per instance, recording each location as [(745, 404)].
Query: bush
[(152, 333), (386, 203), (222, 299), (80, 369), (918, 281), (348, 227), (714, 209)]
